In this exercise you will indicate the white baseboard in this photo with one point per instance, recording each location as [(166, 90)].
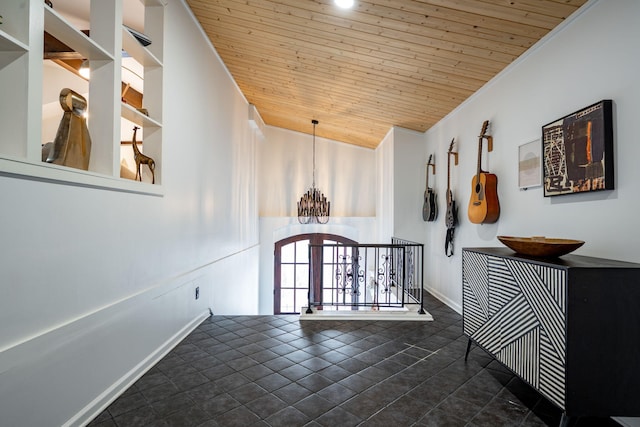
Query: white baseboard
[(100, 403), (452, 304)]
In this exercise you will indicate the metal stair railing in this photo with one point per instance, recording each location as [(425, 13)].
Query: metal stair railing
[(366, 276)]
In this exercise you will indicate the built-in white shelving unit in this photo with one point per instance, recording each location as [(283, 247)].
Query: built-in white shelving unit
[(105, 43)]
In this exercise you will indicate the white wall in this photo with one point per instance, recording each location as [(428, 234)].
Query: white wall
[(384, 185), (346, 174), (409, 160), (594, 56), (400, 161), (95, 284)]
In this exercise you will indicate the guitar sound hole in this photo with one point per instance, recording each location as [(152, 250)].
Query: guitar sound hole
[(478, 188)]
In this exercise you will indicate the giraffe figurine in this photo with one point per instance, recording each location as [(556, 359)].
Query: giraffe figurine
[(141, 159)]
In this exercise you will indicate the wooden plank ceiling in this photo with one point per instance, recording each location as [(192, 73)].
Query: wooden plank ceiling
[(383, 63)]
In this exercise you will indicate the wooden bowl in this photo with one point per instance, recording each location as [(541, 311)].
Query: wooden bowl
[(541, 246)]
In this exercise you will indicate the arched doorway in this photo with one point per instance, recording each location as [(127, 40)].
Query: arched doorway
[(291, 269)]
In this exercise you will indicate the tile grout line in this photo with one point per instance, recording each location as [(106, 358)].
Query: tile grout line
[(398, 373)]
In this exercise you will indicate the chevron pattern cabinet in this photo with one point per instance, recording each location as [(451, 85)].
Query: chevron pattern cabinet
[(570, 326)]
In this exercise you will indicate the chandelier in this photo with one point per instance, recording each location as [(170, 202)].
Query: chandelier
[(313, 205)]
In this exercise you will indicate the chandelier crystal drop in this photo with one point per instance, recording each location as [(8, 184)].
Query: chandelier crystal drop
[(313, 206)]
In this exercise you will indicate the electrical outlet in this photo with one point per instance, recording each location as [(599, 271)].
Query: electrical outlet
[(197, 292)]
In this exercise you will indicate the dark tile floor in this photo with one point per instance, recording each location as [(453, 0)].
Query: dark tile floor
[(279, 371)]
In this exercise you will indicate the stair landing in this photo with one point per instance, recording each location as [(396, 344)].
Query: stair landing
[(410, 313)]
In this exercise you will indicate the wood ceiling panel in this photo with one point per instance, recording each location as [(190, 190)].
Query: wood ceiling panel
[(241, 27), (239, 38), (384, 63), (375, 76)]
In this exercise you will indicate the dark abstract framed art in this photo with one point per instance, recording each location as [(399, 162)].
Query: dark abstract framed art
[(577, 151)]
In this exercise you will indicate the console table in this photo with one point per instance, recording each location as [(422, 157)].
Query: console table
[(569, 326)]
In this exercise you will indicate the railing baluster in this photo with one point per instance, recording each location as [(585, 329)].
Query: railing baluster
[(309, 304), (338, 274)]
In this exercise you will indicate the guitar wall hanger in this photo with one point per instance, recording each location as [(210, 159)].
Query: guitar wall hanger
[(455, 157), (433, 167), (489, 139), (484, 135)]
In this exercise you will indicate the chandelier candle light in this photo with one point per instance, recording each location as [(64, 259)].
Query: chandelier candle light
[(313, 206)]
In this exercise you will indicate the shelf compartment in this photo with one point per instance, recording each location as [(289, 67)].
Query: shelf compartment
[(137, 51), (56, 25), (135, 116), (11, 44), (14, 120), (17, 17)]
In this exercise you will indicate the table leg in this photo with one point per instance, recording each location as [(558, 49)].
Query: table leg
[(466, 355), (564, 421)]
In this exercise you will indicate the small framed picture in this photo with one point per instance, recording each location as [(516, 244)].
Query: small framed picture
[(529, 165), (578, 151)]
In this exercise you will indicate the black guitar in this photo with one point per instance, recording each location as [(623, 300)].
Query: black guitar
[(452, 211), (430, 205)]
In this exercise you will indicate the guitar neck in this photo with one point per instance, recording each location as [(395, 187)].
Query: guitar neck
[(426, 185), (479, 167), (449, 154), (426, 182), (448, 175), (483, 135)]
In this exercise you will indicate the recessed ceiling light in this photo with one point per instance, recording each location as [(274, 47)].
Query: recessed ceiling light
[(345, 4)]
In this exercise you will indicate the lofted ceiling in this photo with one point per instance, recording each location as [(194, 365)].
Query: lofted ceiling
[(382, 63)]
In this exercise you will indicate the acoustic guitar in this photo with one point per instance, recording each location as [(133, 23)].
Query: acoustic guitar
[(451, 218), (430, 205), (484, 206)]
